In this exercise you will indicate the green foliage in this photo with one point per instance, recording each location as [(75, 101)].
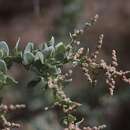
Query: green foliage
[(60, 51), (3, 67), (29, 47), (46, 61), (4, 49), (69, 119), (28, 58), (39, 57)]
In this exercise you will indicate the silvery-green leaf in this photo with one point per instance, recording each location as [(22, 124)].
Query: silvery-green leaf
[(1, 53), (60, 47), (60, 51), (29, 47), (17, 45), (52, 41), (39, 56), (4, 47), (48, 51), (10, 81), (45, 45), (28, 58), (3, 67), (2, 77)]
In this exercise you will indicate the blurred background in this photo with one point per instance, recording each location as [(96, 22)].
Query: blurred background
[(37, 21)]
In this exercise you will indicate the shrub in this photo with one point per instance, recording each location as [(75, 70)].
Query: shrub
[(47, 62)]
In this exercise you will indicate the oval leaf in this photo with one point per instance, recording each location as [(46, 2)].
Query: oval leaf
[(28, 58), (48, 51), (29, 47), (4, 47), (60, 51), (3, 67), (39, 56), (1, 53), (60, 47)]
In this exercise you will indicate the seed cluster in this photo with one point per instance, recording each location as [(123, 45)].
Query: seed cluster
[(92, 67), (76, 127), (112, 74), (77, 33), (4, 109), (56, 84), (98, 48), (78, 54)]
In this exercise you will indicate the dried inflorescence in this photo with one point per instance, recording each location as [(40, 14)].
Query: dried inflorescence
[(78, 54), (91, 67), (73, 126), (98, 48), (95, 127), (75, 37), (112, 74), (61, 99), (8, 125), (4, 109)]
